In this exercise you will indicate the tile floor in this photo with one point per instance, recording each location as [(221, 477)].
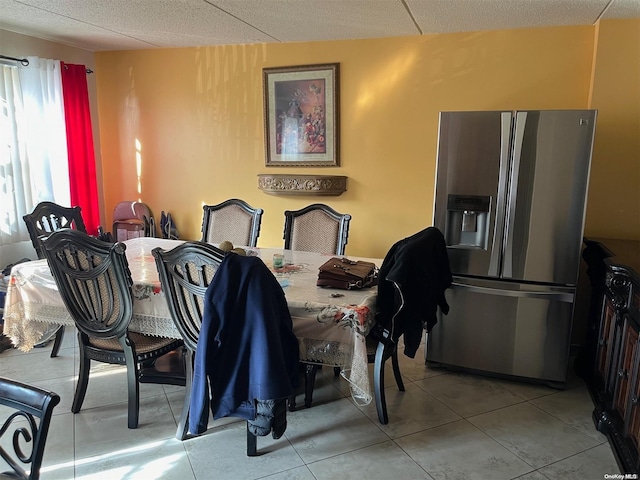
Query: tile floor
[(444, 426)]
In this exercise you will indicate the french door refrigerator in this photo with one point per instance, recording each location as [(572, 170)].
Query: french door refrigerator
[(510, 199)]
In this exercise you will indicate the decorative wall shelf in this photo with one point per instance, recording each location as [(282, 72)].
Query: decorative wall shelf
[(291, 184)]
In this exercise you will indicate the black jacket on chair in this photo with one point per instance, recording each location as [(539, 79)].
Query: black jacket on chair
[(247, 353), (412, 280)]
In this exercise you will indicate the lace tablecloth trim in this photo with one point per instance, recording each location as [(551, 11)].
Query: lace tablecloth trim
[(25, 329)]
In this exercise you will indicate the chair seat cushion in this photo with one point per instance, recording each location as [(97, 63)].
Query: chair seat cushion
[(143, 343)]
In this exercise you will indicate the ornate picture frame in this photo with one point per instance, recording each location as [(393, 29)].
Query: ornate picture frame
[(301, 115)]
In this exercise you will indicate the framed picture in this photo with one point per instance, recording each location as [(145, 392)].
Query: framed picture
[(301, 115)]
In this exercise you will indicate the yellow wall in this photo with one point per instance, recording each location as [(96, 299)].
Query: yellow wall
[(197, 115), (614, 190)]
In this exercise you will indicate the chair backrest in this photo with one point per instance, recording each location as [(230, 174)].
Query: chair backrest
[(185, 273), (316, 228), (233, 220), (132, 219), (94, 281), (49, 217), (412, 280), (28, 403)]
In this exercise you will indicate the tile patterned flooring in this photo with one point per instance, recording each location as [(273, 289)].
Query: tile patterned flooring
[(444, 426)]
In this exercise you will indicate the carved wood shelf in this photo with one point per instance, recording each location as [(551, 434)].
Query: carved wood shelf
[(291, 184)]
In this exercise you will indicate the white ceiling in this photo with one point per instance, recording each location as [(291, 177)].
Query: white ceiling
[(99, 25)]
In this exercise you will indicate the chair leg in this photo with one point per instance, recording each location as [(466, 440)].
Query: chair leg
[(183, 425), (396, 368), (133, 386), (83, 379), (57, 341), (378, 383), (309, 382), (252, 443)]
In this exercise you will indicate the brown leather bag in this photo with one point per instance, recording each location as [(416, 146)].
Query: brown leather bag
[(347, 274)]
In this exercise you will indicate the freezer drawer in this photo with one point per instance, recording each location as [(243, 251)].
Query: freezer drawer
[(506, 329)]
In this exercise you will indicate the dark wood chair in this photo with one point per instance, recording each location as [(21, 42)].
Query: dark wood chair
[(316, 228), (94, 281), (185, 273), (46, 218), (35, 406), (380, 348), (233, 220)]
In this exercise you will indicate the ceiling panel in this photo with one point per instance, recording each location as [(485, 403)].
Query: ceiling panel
[(99, 25), (436, 16), (311, 20)]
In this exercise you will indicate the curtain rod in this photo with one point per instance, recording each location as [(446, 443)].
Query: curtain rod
[(25, 62)]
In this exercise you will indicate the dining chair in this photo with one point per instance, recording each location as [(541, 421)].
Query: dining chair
[(233, 220), (316, 228), (185, 273), (46, 218), (33, 405), (246, 359), (411, 283), (95, 284)]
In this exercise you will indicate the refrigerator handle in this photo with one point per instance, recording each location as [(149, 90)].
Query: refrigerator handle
[(518, 136), (504, 292), (498, 231)]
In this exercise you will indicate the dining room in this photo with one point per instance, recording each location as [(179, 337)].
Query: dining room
[(180, 128)]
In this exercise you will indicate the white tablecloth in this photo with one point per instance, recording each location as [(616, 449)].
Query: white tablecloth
[(330, 324)]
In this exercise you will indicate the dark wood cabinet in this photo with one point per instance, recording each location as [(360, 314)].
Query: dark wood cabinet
[(612, 361)]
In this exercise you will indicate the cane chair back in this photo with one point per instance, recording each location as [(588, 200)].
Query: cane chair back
[(185, 273), (316, 228), (35, 406), (233, 220), (94, 281)]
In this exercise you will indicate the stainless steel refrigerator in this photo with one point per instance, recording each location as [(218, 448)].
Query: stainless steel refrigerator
[(510, 199)]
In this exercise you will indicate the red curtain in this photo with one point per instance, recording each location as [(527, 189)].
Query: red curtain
[(82, 162)]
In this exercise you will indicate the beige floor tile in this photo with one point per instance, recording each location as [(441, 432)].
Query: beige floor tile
[(595, 463), (379, 462), (222, 453), (108, 385), (527, 391), (331, 429), (461, 451), (410, 411), (535, 475), (65, 387), (298, 473), (165, 459), (574, 407), (469, 395), (104, 429), (535, 436), (37, 366)]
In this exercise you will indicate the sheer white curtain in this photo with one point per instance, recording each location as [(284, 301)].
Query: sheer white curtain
[(33, 156)]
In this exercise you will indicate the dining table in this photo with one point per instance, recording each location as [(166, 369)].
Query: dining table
[(330, 324)]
